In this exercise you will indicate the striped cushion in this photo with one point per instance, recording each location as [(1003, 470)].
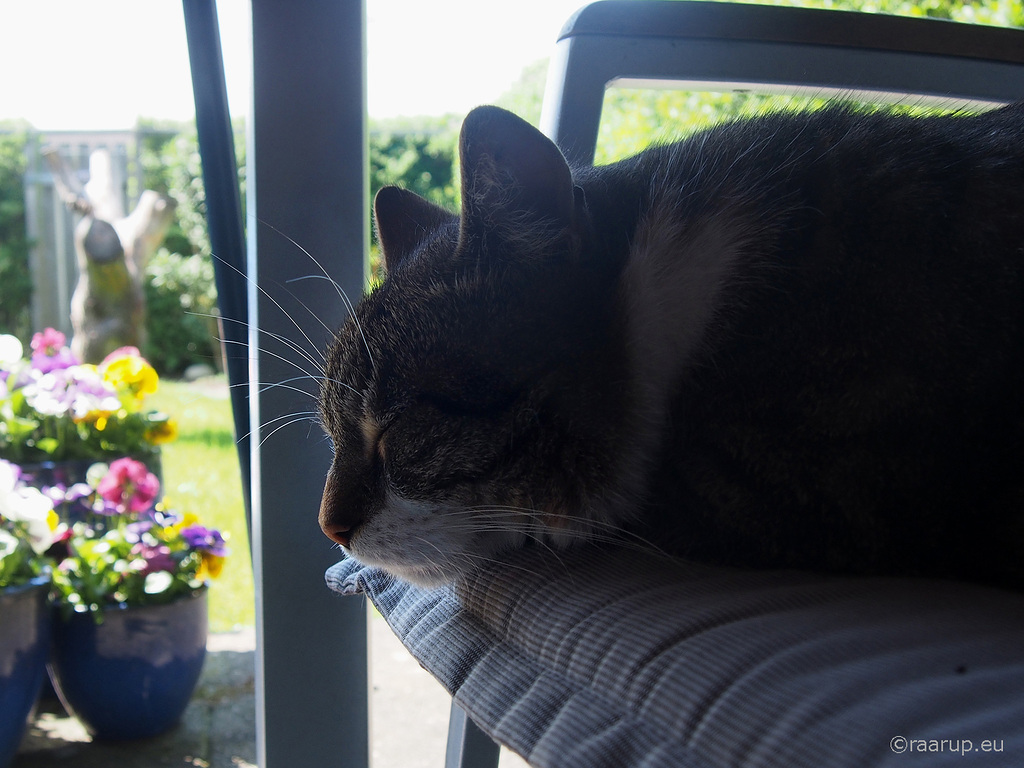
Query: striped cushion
[(614, 658)]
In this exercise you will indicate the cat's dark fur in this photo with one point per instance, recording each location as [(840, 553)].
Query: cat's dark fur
[(791, 341)]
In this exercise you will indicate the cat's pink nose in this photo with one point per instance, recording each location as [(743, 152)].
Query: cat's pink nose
[(340, 514), (342, 534)]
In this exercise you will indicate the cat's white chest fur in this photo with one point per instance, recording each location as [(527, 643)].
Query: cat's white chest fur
[(671, 290)]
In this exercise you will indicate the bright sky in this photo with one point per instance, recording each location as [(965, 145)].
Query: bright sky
[(69, 64)]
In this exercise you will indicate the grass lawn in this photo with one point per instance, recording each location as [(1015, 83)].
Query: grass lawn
[(201, 475)]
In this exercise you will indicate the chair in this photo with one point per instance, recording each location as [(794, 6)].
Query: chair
[(605, 659), (725, 46)]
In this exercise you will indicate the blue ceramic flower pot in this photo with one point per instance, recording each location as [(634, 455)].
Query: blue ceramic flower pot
[(24, 645), (131, 676)]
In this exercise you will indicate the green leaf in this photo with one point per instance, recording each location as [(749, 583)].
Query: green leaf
[(49, 445)]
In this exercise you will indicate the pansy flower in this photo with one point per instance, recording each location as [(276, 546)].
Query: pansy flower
[(153, 558), (76, 392), (11, 351), (129, 373), (91, 399), (129, 550), (211, 546), (162, 432), (28, 506), (50, 353), (134, 532), (55, 408), (205, 539), (129, 485)]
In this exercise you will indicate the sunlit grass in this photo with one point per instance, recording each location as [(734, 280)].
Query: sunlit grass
[(201, 475)]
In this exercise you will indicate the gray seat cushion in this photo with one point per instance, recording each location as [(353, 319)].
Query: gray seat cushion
[(600, 657)]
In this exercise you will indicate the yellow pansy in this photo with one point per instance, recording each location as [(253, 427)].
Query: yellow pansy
[(210, 567), (162, 432), (186, 520), (130, 373)]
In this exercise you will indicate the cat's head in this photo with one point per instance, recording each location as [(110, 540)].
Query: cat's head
[(472, 398)]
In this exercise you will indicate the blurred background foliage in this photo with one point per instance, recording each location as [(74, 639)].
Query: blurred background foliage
[(419, 153), (15, 282)]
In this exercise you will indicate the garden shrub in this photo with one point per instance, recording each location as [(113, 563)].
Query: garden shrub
[(15, 278), (181, 294), (181, 300)]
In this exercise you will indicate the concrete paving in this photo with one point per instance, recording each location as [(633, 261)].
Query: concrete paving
[(409, 718)]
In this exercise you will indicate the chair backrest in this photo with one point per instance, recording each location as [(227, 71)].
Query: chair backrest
[(728, 46)]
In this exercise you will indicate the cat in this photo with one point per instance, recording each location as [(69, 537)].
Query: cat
[(789, 341)]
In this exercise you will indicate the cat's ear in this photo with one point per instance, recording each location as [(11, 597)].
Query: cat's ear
[(512, 173), (402, 218)]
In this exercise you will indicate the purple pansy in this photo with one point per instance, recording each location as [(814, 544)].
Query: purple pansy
[(133, 531), (78, 392), (156, 558), (50, 353), (205, 539)]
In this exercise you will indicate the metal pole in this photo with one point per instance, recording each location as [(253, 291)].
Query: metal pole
[(223, 211), (306, 191)]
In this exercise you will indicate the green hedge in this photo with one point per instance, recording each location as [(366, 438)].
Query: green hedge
[(15, 282), (180, 300)]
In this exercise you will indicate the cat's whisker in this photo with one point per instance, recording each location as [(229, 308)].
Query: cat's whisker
[(277, 304), (504, 563), (295, 420), (345, 301), (295, 417), (270, 353), (316, 362), (484, 559), (265, 386), (337, 287), (492, 516), (437, 568), (595, 529), (341, 292), (286, 384), (540, 538), (278, 356), (297, 414)]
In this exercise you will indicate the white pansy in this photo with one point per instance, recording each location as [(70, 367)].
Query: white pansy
[(47, 396), (8, 543), (11, 350), (8, 477), (157, 582), (28, 506)]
